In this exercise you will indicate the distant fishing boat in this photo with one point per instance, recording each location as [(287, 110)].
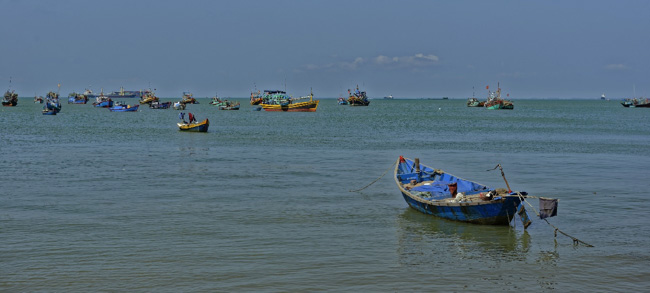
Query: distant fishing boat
[(179, 106), (474, 102), (435, 192), (342, 101), (279, 101), (127, 94), (148, 98), (52, 105), (188, 98), (636, 103), (38, 100), (10, 98), (495, 102), (358, 98), (224, 104), (158, 105), (124, 108), (389, 97), (256, 98), (602, 97), (103, 101), (230, 106), (75, 98)]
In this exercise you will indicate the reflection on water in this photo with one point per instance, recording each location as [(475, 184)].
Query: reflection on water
[(423, 238)]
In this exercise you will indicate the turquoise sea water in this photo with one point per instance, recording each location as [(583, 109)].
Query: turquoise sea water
[(94, 200)]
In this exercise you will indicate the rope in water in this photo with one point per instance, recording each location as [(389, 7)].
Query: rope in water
[(575, 240), (371, 183)]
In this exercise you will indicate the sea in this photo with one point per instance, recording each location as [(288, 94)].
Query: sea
[(93, 200)]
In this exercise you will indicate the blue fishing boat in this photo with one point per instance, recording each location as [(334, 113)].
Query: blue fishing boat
[(103, 101), (124, 108), (435, 192), (52, 104), (75, 98)]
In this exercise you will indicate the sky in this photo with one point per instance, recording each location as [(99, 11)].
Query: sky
[(408, 49)]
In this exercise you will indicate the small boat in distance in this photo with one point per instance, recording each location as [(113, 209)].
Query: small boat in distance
[(75, 98), (159, 105), (495, 102), (342, 101), (119, 107), (358, 98), (279, 101), (188, 98), (437, 193), (127, 94), (52, 105), (38, 99), (256, 98), (474, 102), (636, 103), (389, 97), (148, 98), (179, 105), (102, 101), (10, 99)]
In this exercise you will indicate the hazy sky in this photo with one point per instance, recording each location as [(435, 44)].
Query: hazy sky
[(535, 49)]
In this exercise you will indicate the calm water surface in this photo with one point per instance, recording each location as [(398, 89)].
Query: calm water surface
[(93, 200)]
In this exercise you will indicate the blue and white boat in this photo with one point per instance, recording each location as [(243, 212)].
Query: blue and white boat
[(437, 193), (103, 101), (52, 105), (124, 108)]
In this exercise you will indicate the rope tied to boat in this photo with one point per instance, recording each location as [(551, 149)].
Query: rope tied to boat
[(371, 183), (576, 241)]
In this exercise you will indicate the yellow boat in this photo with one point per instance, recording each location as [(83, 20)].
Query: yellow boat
[(195, 127), (287, 104), (148, 98)]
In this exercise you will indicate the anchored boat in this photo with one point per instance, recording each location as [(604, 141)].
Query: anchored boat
[(437, 193), (279, 101), (358, 98)]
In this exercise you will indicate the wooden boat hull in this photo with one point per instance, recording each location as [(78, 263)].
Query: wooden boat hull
[(499, 210), (49, 112), (309, 106), (195, 127), (9, 104), (133, 108)]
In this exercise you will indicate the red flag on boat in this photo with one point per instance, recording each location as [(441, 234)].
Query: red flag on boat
[(487, 87)]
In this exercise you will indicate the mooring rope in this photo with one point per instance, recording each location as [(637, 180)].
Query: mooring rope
[(371, 183), (575, 240)]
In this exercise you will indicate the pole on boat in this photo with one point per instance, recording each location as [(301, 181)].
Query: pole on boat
[(502, 175)]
